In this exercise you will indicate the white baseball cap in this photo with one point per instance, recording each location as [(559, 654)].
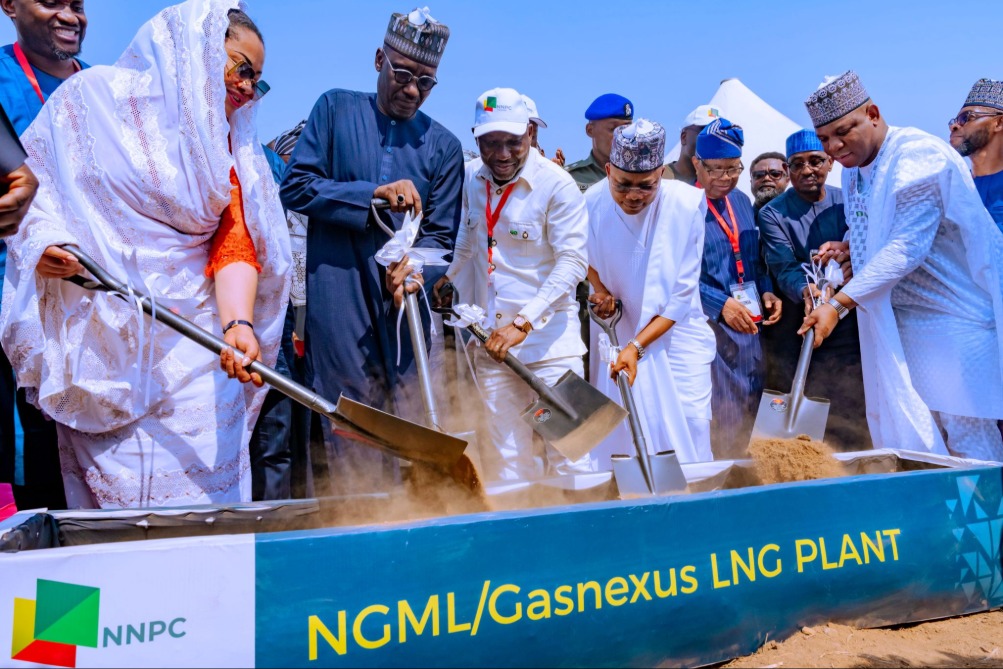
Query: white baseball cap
[(500, 110), (702, 115), (534, 115)]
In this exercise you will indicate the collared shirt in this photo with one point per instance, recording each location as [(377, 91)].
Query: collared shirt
[(539, 255), (587, 172), (990, 189)]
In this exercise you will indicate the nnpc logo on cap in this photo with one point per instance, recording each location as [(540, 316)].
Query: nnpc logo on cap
[(48, 629), (490, 103), (713, 112)]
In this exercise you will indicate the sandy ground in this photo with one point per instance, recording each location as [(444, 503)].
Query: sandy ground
[(967, 641)]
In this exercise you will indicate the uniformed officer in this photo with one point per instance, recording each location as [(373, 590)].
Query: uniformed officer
[(606, 113)]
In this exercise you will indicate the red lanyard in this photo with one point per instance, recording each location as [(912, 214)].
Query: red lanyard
[(30, 73), (732, 234), (493, 216)]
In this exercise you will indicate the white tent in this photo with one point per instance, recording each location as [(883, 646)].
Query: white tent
[(765, 128)]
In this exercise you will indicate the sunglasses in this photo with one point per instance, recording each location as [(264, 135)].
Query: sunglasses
[(245, 72), (761, 174), (966, 116), (404, 77)]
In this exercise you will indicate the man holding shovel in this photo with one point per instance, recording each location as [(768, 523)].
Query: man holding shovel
[(524, 232), (646, 235), (356, 147)]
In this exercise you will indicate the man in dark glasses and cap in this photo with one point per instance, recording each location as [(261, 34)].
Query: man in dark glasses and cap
[(977, 133), (356, 147)]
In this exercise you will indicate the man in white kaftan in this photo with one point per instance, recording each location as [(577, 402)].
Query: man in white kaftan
[(134, 165), (645, 241), (927, 281)]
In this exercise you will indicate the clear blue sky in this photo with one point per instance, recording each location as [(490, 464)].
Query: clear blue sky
[(918, 59)]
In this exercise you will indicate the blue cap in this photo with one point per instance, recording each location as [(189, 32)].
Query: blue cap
[(720, 139), (610, 105), (803, 141)]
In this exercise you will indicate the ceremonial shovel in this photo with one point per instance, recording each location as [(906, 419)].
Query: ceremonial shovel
[(787, 415), (351, 419), (641, 474)]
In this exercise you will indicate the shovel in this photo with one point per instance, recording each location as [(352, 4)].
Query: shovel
[(642, 474), (351, 419), (787, 415)]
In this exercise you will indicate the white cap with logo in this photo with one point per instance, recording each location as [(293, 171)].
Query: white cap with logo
[(500, 110), (534, 115), (702, 115)]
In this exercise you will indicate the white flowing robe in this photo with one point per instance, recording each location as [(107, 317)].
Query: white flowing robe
[(134, 167), (926, 259), (653, 267)]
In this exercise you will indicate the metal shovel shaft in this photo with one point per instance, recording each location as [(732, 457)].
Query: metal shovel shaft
[(421, 360), (800, 378)]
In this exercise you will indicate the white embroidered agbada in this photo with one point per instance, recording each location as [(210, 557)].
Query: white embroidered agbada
[(651, 262), (134, 168), (926, 257)]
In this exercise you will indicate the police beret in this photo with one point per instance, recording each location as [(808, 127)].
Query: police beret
[(610, 105)]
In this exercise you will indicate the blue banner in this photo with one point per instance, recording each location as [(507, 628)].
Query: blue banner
[(686, 580)]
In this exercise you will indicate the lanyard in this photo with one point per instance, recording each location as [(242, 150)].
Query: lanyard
[(732, 233), (493, 216), (22, 60)]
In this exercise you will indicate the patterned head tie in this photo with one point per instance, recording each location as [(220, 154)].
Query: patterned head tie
[(720, 139), (835, 98), (638, 147), (986, 93), (286, 142), (418, 36)]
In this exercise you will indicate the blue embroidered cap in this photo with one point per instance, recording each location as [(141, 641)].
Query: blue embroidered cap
[(986, 93), (803, 141), (720, 139), (610, 105)]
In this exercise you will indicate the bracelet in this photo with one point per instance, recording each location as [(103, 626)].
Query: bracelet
[(640, 349), (234, 323)]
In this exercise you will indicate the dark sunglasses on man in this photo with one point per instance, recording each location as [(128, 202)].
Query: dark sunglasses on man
[(761, 174), (404, 77), (966, 116)]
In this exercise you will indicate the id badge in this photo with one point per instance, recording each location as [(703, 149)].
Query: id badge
[(748, 297)]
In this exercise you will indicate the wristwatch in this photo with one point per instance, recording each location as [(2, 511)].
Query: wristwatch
[(521, 323), (640, 349), (841, 311)]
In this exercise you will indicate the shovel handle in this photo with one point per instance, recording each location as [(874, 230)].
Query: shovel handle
[(800, 377), (107, 283), (608, 325), (522, 371), (421, 360)]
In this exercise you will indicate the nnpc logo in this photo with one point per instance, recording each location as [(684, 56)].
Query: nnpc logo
[(48, 629)]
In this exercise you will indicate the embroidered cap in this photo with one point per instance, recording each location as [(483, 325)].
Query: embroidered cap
[(418, 36), (720, 139), (638, 147), (803, 141), (286, 142), (835, 98), (986, 93), (500, 110)]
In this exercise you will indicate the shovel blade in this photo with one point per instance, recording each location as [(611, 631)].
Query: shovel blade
[(774, 407), (574, 436), (666, 474), (396, 436)]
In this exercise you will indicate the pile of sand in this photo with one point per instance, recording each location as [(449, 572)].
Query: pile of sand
[(799, 459)]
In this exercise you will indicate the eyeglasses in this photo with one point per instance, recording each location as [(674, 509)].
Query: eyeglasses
[(761, 174), (404, 77), (247, 73), (966, 116), (645, 189), (813, 163), (722, 172)]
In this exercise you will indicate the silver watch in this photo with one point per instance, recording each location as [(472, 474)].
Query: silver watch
[(841, 311), (640, 349)]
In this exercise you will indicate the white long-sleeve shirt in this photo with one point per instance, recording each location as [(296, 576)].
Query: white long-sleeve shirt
[(539, 255)]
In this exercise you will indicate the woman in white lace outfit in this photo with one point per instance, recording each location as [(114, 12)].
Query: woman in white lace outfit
[(141, 164)]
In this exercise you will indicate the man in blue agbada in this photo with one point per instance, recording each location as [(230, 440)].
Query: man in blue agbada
[(49, 38), (355, 147), (735, 289)]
